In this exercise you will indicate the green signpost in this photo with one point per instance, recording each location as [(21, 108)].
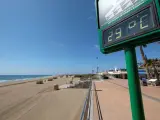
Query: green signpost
[(123, 25)]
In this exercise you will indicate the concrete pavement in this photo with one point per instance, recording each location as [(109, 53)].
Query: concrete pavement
[(115, 103)]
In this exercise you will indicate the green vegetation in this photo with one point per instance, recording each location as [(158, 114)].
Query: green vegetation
[(84, 75), (40, 82), (50, 79)]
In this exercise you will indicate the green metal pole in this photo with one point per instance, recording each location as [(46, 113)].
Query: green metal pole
[(134, 84)]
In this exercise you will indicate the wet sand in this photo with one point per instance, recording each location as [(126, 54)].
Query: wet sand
[(31, 101)]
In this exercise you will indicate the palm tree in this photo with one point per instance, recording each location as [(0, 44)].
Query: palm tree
[(152, 63), (144, 58), (148, 63)]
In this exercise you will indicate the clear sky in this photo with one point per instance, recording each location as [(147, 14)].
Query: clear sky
[(53, 36)]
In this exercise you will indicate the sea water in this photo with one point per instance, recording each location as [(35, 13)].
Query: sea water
[(5, 78)]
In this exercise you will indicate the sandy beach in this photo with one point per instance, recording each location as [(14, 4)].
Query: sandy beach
[(31, 101)]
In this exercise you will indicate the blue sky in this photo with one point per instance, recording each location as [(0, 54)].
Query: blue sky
[(53, 37)]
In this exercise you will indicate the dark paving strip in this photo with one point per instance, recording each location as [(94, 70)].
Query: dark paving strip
[(152, 98), (145, 95)]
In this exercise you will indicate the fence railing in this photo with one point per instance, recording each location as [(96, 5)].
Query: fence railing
[(98, 105), (87, 111), (85, 115)]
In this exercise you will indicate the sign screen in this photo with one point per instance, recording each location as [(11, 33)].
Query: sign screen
[(110, 10), (138, 23)]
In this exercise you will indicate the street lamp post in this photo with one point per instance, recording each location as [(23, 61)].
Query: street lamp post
[(97, 65)]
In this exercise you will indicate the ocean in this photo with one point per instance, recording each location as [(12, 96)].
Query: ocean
[(5, 78)]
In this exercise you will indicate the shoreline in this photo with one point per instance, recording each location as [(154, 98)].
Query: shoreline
[(21, 81)]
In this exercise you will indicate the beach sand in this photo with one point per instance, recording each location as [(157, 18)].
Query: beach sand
[(31, 101)]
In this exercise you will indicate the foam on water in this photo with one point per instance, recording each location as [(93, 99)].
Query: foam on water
[(19, 77), (3, 81)]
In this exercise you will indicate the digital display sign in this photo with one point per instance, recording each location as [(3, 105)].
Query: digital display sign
[(110, 10), (138, 23), (122, 23)]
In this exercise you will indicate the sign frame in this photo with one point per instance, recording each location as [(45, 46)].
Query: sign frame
[(138, 39)]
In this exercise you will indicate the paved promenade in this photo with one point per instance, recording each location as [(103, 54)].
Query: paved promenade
[(114, 100)]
